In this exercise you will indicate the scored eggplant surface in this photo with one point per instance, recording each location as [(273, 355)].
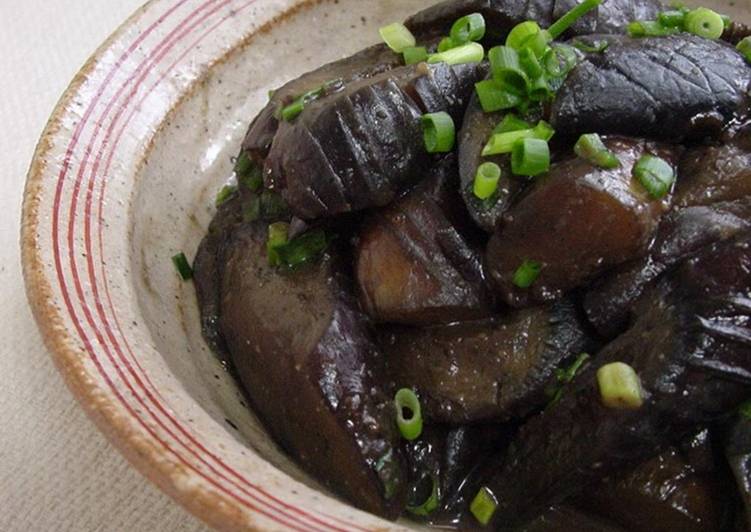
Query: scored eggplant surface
[(565, 347)]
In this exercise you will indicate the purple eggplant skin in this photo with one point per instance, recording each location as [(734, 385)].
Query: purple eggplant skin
[(301, 330), (362, 146), (664, 494), (690, 346), (568, 517), (492, 370), (738, 454), (416, 261), (668, 88), (576, 221)]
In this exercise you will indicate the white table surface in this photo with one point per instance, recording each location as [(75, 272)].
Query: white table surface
[(57, 472)]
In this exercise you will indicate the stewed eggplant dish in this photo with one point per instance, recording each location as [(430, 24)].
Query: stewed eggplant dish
[(495, 272)]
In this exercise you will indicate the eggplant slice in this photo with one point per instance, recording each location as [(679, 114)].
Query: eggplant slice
[(362, 146), (416, 262), (576, 221), (494, 370), (738, 453), (690, 346), (670, 88), (301, 330)]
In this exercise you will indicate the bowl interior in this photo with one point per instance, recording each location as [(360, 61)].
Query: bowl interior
[(191, 158)]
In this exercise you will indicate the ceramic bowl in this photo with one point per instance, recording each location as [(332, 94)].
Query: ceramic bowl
[(124, 177)]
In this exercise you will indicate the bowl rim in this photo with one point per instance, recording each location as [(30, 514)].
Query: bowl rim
[(139, 448)]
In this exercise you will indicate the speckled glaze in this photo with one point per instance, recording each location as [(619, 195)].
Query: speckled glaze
[(123, 178)]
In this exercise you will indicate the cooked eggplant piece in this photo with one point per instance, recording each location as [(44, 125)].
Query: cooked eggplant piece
[(609, 302), (664, 494), (569, 518), (414, 262), (475, 132), (738, 453), (691, 349), (668, 88), (576, 221), (300, 330), (501, 15), (491, 370), (362, 146)]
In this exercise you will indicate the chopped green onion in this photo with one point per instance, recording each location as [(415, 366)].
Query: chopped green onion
[(566, 376), (744, 47), (529, 62), (539, 89), (504, 142), (483, 506), (526, 275), (410, 426), (468, 28), (568, 20), (293, 110), (303, 248), (253, 179), (486, 180), (182, 266), (467, 53), (655, 174), (415, 54), (271, 93), (511, 122), (243, 165), (591, 148), (597, 46), (520, 33), (439, 132), (493, 97), (224, 194), (506, 69), (278, 236), (620, 387), (745, 409), (560, 60), (273, 206), (397, 37), (252, 209), (649, 28), (705, 23), (430, 504), (672, 19), (538, 42), (530, 157), (446, 44)]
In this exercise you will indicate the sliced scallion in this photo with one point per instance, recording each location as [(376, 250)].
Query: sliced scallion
[(253, 179), (468, 28), (530, 157), (243, 165), (568, 20), (446, 44), (745, 410), (493, 97), (620, 387), (520, 33), (704, 23), (560, 60), (672, 19), (500, 143), (597, 46), (744, 47), (182, 266), (467, 53), (507, 70), (566, 376), (511, 122), (415, 54), (428, 506), (539, 89), (530, 63), (303, 248), (483, 506), (655, 174), (486, 180), (397, 37), (410, 425), (293, 110), (278, 236), (591, 148), (526, 274), (538, 43), (649, 28), (439, 132), (224, 194)]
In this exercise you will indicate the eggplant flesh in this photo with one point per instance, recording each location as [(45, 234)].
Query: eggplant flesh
[(738, 453), (362, 146), (690, 346), (493, 370), (576, 221), (301, 330), (415, 262), (667, 88)]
